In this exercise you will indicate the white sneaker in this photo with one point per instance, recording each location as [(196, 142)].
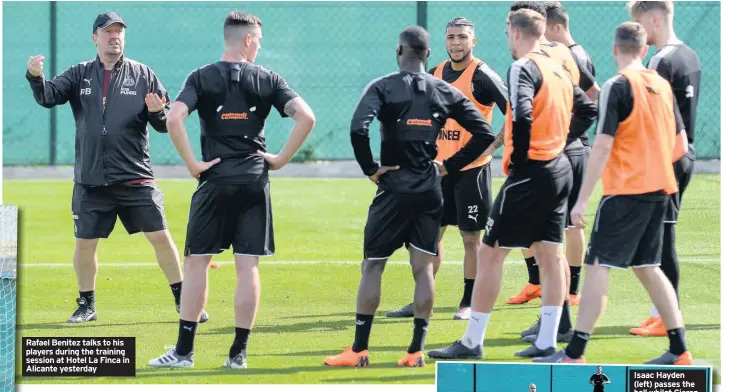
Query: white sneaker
[(172, 359), (462, 314), (238, 362)]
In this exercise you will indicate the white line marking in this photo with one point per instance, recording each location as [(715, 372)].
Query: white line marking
[(309, 262)]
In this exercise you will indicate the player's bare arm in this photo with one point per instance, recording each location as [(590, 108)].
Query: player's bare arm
[(594, 92), (299, 110), (595, 165), (178, 134), (498, 142)]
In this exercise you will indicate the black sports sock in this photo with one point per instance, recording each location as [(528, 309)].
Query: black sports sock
[(533, 269), (186, 337), (565, 321), (677, 341), (669, 259), (90, 297), (575, 273), (420, 328), (176, 291), (240, 342), (467, 292), (576, 347), (362, 332)]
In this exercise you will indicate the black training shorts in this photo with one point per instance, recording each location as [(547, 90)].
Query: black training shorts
[(224, 214), (397, 219), (467, 198), (140, 207), (628, 232)]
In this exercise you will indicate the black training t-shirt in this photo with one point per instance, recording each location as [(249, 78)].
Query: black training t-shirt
[(599, 381), (412, 108), (233, 101), (679, 65)]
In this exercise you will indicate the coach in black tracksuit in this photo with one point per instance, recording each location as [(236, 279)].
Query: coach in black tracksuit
[(112, 98)]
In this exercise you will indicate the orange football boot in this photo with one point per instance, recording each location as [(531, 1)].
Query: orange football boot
[(349, 358), (656, 328), (528, 293), (574, 299), (413, 360)]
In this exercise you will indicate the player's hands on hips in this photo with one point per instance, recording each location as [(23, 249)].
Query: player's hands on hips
[(155, 104), (198, 167), (275, 162), (35, 65), (578, 214), (382, 170), (441, 168)]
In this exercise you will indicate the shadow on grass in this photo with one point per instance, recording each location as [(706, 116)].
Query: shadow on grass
[(61, 325), (622, 330), (240, 375), (437, 310), (382, 380)]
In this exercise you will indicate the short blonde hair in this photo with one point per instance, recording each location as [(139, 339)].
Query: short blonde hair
[(641, 7), (630, 38), (529, 22)]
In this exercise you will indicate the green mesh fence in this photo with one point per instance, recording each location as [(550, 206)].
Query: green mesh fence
[(327, 51)]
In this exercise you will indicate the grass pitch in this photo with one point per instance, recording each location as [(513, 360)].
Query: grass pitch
[(309, 289)]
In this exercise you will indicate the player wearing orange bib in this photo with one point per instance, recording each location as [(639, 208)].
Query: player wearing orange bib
[(530, 209), (576, 152), (467, 193), (634, 151)]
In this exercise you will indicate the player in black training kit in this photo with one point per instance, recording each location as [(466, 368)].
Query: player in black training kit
[(232, 204), (467, 193), (576, 154), (407, 208), (679, 65), (531, 206), (599, 380), (558, 30)]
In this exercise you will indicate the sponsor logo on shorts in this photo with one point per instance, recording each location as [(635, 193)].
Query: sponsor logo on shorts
[(473, 212), (234, 116), (417, 122), (489, 226)]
